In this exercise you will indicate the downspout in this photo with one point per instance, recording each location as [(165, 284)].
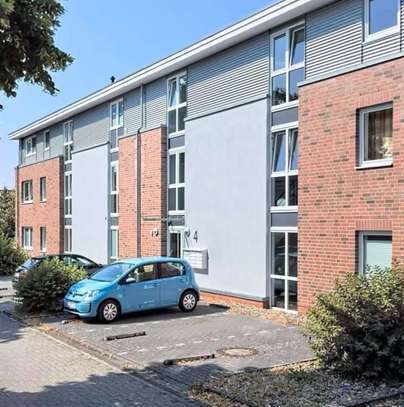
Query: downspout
[(139, 179)]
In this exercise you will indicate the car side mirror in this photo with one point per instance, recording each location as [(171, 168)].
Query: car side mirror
[(130, 280)]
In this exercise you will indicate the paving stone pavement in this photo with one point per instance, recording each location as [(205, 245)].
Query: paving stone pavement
[(37, 371)]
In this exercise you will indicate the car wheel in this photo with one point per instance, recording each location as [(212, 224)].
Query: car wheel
[(109, 311), (188, 301)]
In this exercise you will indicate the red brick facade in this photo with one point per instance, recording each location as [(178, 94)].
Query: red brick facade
[(47, 214), (150, 149), (337, 200)]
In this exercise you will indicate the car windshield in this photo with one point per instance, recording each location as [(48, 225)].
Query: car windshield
[(29, 264), (111, 272)]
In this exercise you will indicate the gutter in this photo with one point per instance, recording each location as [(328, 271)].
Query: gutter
[(139, 178)]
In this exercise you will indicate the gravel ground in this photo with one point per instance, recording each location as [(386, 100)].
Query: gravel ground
[(299, 385)]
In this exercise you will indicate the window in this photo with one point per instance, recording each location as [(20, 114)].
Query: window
[(42, 189), (114, 189), (26, 188), (68, 140), (143, 273), (30, 146), (46, 139), (376, 135), (375, 250), (177, 105), (27, 238), (382, 17), (168, 270), (287, 65), (114, 243), (175, 243), (176, 181), (284, 270), (68, 194), (116, 122), (285, 155), (42, 233), (68, 239)]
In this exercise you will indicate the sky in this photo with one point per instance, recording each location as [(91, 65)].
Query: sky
[(113, 38)]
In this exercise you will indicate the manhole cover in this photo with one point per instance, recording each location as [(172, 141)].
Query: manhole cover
[(238, 352)]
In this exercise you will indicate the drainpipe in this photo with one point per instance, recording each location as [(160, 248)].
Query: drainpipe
[(138, 179)]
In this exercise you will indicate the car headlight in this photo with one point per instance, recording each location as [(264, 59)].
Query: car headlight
[(89, 295)]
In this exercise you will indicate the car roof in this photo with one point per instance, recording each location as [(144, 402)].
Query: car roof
[(144, 260)]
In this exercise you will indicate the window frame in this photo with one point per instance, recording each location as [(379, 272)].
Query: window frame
[(114, 165), (42, 239), (288, 32), (177, 184), (113, 128), (180, 231), (178, 105), (30, 198), (68, 197), (368, 37), (361, 246), (46, 140), (31, 141), (286, 173), (23, 241), (68, 142), (68, 248), (114, 229), (285, 278), (42, 189), (362, 135)]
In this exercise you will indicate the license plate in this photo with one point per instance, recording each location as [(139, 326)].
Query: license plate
[(70, 305)]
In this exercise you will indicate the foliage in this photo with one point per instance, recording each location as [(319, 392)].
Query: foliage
[(27, 46), (43, 288), (7, 212), (11, 255), (358, 329)]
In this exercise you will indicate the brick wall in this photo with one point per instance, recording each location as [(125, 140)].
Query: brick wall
[(36, 214), (336, 200), (150, 148)]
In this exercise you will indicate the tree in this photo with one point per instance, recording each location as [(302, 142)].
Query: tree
[(7, 212), (27, 50)]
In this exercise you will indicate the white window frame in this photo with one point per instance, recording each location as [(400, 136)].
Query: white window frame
[(118, 124), (42, 239), (27, 245), (383, 33), (361, 246), (42, 189), (177, 185), (362, 135), (286, 277), (288, 129), (179, 230), (68, 197), (178, 105), (30, 150), (30, 197), (114, 164), (65, 246), (288, 67), (114, 258), (68, 141), (46, 144)]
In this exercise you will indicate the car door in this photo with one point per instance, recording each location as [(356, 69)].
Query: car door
[(172, 276), (140, 288)]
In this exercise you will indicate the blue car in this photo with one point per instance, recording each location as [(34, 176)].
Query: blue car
[(134, 285)]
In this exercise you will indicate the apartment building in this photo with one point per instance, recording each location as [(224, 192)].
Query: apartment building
[(270, 155)]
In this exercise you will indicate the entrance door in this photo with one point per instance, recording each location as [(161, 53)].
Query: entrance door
[(175, 243)]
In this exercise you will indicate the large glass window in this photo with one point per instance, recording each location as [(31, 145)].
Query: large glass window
[(177, 105), (382, 17), (284, 270), (284, 174), (375, 250), (27, 194), (176, 178), (42, 238), (42, 188), (30, 146), (287, 65), (376, 135), (116, 122), (68, 239), (68, 194), (175, 243), (114, 243), (27, 238), (68, 140), (114, 189)]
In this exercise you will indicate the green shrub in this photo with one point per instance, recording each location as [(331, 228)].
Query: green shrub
[(44, 287), (358, 329), (11, 255)]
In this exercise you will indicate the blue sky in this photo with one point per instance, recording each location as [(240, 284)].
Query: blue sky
[(113, 38)]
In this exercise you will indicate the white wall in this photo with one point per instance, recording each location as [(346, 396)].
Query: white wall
[(226, 197), (90, 203)]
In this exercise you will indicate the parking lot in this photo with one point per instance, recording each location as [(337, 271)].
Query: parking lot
[(171, 334)]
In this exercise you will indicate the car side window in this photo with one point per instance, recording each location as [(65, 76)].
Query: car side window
[(171, 269), (81, 261), (143, 273)]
